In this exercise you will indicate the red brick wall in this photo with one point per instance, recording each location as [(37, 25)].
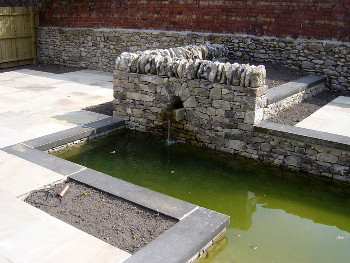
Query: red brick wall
[(319, 19), (6, 3)]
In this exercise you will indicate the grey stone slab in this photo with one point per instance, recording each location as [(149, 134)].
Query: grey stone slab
[(305, 135), (45, 160), (104, 125), (139, 195), (59, 138), (181, 242), (284, 91)]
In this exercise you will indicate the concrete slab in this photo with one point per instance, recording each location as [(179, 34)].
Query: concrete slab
[(333, 118), (29, 235), (19, 176)]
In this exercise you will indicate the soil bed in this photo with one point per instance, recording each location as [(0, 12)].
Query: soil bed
[(109, 218), (300, 111)]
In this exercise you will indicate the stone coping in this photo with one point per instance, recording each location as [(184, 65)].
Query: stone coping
[(288, 89), (305, 135), (197, 226)]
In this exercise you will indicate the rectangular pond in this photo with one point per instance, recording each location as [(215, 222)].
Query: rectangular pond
[(276, 215)]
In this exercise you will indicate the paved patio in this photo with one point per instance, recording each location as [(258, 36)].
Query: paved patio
[(333, 118), (33, 104)]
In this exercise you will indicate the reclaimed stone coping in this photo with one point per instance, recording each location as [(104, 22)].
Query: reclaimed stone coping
[(192, 62), (196, 228), (288, 89), (305, 135)]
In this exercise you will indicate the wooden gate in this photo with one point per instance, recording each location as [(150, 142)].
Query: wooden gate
[(17, 35)]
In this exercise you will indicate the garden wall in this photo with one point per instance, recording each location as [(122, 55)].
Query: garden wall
[(218, 114), (5, 3), (319, 19), (98, 49)]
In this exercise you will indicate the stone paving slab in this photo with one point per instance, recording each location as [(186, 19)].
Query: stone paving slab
[(34, 103), (42, 159), (29, 235), (333, 118), (40, 108), (19, 176)]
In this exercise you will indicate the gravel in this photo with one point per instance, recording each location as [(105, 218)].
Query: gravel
[(300, 111), (109, 218)]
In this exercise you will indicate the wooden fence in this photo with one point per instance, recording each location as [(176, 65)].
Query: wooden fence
[(17, 35)]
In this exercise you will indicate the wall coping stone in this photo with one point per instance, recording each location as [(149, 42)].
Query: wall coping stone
[(305, 135), (288, 89)]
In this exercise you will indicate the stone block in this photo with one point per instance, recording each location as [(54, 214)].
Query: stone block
[(191, 102), (257, 92), (237, 145), (139, 96), (215, 93), (117, 74), (151, 79), (326, 157), (293, 161), (221, 104), (337, 169)]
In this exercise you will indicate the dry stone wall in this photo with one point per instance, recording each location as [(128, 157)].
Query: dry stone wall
[(221, 116), (191, 62), (98, 49)]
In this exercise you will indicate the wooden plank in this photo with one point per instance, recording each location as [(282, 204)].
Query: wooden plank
[(11, 37), (32, 31)]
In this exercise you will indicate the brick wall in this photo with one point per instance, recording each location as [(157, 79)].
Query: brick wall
[(319, 19), (5, 3)]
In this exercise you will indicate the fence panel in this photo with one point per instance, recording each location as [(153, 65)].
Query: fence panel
[(17, 36)]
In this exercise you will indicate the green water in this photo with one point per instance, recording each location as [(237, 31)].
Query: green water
[(289, 217)]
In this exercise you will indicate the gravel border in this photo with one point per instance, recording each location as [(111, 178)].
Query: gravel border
[(300, 111)]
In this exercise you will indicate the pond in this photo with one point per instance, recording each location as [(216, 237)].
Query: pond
[(276, 215)]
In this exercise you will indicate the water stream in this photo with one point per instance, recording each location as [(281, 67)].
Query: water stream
[(276, 215)]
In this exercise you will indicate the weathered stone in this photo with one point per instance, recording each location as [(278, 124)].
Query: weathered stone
[(191, 102), (292, 161), (325, 157), (258, 76), (221, 104), (340, 170), (307, 65), (215, 93), (237, 145)]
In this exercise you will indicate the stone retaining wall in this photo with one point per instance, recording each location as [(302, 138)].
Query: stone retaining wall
[(220, 116), (274, 108), (98, 49)]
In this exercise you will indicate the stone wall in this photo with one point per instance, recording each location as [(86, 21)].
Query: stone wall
[(319, 19), (273, 109), (303, 156), (98, 49), (193, 62), (220, 116)]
